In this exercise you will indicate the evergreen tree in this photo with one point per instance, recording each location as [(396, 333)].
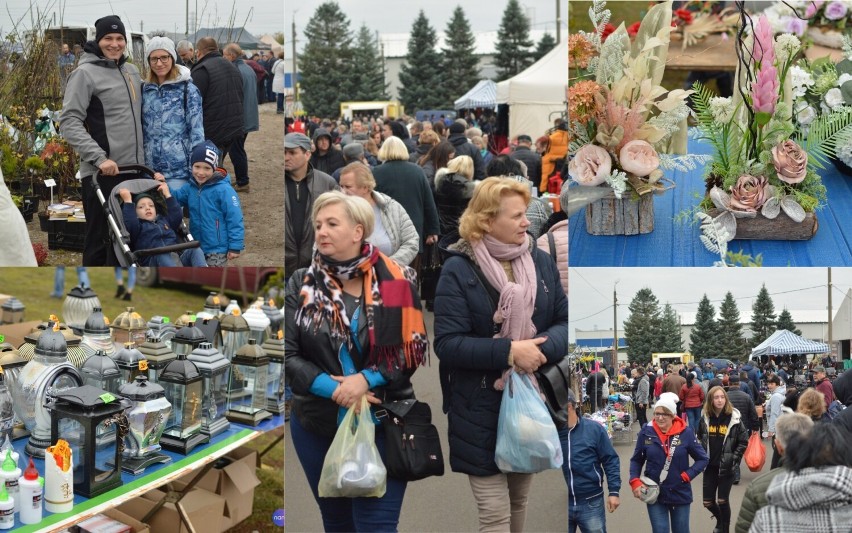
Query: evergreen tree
[(545, 45), (785, 321), (368, 72), (513, 42), (642, 327), (461, 71), (421, 78), (732, 344), (670, 339), (762, 317), (704, 336), (326, 62)]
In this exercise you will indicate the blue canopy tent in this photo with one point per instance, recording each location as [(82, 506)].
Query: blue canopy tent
[(784, 342), (483, 94)]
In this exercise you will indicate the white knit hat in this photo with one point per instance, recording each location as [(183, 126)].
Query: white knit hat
[(161, 43), (668, 400)]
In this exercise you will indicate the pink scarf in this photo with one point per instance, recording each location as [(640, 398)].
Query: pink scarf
[(517, 300)]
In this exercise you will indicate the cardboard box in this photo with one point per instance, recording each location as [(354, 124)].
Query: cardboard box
[(235, 482), (135, 526), (204, 511)]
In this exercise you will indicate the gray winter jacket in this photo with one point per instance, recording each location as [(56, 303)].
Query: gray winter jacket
[(776, 401), (402, 233), (296, 256), (101, 114)]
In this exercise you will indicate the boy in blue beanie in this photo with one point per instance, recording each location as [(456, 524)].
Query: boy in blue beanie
[(215, 216), (149, 230)]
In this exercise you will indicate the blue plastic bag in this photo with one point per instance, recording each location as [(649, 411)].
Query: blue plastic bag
[(527, 440)]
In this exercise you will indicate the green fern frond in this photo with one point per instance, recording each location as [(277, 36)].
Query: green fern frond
[(823, 136)]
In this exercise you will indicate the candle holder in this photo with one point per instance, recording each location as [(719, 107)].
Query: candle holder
[(12, 363), (12, 311), (97, 335), (76, 353), (187, 338), (158, 353), (235, 333), (182, 383), (247, 402), (258, 323), (147, 420), (212, 330), (162, 329), (274, 349), (130, 362), (7, 413), (214, 370), (129, 326), (101, 372), (212, 306), (78, 305), (275, 316)]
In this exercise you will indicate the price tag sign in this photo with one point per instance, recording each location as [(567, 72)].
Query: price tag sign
[(50, 182), (165, 320), (107, 397)]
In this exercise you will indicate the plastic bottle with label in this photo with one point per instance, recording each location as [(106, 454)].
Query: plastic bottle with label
[(10, 474), (7, 509), (31, 486)]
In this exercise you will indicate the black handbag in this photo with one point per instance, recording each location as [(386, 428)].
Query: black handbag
[(554, 380), (412, 445), (430, 273)]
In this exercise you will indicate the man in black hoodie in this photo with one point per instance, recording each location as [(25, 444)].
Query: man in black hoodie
[(463, 147), (326, 157)]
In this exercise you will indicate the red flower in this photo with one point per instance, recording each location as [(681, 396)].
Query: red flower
[(609, 28), (684, 15), (633, 29)]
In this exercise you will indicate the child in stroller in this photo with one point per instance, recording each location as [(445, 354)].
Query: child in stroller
[(148, 229)]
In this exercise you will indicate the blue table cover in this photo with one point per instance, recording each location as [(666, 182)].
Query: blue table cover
[(677, 244)]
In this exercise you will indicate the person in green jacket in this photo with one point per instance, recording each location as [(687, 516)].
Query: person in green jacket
[(787, 425)]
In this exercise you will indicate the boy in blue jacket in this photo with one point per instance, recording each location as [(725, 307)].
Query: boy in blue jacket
[(215, 216), (149, 230)]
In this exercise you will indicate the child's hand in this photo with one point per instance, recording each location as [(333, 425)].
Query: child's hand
[(164, 190), (159, 177), (233, 255), (125, 195)]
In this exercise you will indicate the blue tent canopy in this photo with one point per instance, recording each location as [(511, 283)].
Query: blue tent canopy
[(483, 94), (784, 342)]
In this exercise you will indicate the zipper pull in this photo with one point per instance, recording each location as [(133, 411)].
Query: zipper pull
[(403, 441), (482, 385), (543, 284), (411, 441)]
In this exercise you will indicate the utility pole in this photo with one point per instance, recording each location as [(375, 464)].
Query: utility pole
[(558, 23), (614, 326), (295, 84), (830, 337), (186, 32)]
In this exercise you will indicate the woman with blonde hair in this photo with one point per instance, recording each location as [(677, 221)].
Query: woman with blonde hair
[(494, 269), (812, 404), (354, 329), (724, 437), (425, 142), (453, 190), (172, 118)]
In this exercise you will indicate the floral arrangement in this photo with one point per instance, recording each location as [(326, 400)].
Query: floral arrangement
[(823, 21), (763, 164), (695, 20), (621, 119)]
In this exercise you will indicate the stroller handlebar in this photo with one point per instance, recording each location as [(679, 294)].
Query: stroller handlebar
[(168, 249), (139, 169)]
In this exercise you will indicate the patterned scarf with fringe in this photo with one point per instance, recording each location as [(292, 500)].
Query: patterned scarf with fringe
[(391, 303)]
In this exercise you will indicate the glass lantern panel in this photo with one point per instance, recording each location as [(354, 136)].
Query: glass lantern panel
[(182, 348), (215, 395), (259, 335), (233, 340), (104, 454), (74, 433), (273, 380), (192, 408), (259, 387), (240, 395)]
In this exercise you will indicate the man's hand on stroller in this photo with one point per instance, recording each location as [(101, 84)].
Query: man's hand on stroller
[(109, 168), (159, 177), (124, 194), (164, 190)]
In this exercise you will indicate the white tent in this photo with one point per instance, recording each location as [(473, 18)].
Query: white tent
[(784, 342), (537, 93), (483, 94)]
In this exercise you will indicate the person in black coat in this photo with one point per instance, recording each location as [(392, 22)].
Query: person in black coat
[(595, 390), (464, 147), (221, 88), (843, 388), (524, 152), (326, 158), (476, 354), (745, 405)]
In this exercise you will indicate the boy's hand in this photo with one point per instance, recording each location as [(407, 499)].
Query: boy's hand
[(159, 177), (233, 255), (125, 195), (164, 190)]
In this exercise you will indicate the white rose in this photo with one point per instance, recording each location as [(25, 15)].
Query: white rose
[(834, 98), (806, 115)]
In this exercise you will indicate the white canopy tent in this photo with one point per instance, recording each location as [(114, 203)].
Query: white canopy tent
[(536, 93), (483, 94), (784, 342)]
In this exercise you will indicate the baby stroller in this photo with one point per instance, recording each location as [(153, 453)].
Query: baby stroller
[(118, 233)]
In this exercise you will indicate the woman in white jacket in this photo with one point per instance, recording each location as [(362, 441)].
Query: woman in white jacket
[(278, 70), (394, 233)]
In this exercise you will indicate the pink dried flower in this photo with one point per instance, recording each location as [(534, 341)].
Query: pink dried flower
[(764, 45), (765, 89)]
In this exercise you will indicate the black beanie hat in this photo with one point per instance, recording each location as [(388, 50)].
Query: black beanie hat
[(142, 195), (456, 128), (106, 25)]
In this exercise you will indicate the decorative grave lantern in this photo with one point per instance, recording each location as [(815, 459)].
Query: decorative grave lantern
[(183, 386), (147, 419), (78, 415), (162, 329), (212, 307), (274, 349), (247, 390), (12, 311), (212, 330), (129, 326), (214, 369), (76, 353), (158, 353), (258, 323), (235, 333), (12, 364), (49, 370), (229, 309), (185, 319), (102, 372), (7, 413), (97, 335), (78, 305), (275, 316), (130, 362), (187, 339)]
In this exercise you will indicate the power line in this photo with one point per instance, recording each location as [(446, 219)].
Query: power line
[(575, 271), (590, 316)]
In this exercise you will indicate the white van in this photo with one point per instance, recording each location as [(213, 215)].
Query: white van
[(72, 34)]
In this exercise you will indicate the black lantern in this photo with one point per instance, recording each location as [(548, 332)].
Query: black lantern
[(102, 372), (97, 335), (275, 316), (247, 390), (75, 352), (235, 333), (78, 305), (129, 326), (182, 383), (158, 353), (12, 311), (77, 415), (187, 338), (274, 349), (131, 362), (146, 420), (212, 330), (162, 329), (214, 369)]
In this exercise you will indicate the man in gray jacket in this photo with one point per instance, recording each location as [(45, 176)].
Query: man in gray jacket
[(778, 391), (251, 122), (102, 121)]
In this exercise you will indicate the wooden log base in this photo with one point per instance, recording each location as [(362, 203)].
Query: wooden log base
[(611, 216), (782, 228)]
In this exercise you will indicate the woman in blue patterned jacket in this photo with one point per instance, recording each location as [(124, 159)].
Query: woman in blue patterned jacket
[(172, 119)]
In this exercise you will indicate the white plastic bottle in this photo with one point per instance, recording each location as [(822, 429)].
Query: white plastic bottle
[(31, 486), (10, 473), (7, 509)]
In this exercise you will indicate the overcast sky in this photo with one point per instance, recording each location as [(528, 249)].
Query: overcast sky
[(258, 16), (796, 288)]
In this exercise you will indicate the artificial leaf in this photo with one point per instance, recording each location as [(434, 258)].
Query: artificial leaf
[(844, 67), (728, 222), (762, 118), (720, 198), (771, 208), (846, 91), (792, 208), (652, 43), (744, 214)]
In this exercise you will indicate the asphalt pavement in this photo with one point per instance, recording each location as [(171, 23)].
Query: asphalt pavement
[(445, 504)]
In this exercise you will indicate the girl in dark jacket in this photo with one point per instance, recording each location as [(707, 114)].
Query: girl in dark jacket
[(495, 266), (725, 438), (353, 328)]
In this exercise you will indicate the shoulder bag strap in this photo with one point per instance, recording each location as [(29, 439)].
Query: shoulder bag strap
[(665, 473)]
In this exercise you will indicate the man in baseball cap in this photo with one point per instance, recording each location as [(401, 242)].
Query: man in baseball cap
[(303, 184)]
